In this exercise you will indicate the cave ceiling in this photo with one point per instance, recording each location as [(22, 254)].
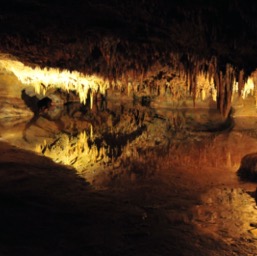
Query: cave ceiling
[(112, 37)]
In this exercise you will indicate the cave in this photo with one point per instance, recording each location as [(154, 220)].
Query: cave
[(128, 127)]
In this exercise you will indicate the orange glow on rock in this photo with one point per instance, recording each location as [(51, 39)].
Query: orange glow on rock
[(45, 78)]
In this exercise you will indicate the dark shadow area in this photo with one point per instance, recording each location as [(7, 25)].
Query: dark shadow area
[(75, 108), (252, 194), (40, 205), (118, 141), (115, 141), (40, 108), (247, 170), (30, 101), (44, 105), (32, 104), (46, 209), (37, 106), (216, 126)]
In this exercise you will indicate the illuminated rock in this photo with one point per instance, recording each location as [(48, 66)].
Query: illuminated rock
[(44, 79)]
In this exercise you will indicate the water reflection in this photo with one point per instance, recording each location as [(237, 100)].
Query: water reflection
[(85, 137), (111, 134), (73, 150)]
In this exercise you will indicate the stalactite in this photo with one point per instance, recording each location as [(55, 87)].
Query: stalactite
[(221, 92), (91, 131), (211, 71), (129, 88), (110, 80), (194, 86), (162, 88), (218, 87), (224, 85), (240, 82), (141, 80), (255, 86), (229, 81), (91, 99), (190, 81)]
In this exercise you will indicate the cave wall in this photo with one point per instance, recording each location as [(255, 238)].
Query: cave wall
[(137, 43)]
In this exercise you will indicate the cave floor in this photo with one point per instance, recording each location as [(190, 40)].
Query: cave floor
[(191, 204)]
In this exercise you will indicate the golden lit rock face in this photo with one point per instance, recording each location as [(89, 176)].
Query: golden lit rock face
[(132, 42), (162, 68), (175, 83), (47, 78), (73, 151), (150, 83)]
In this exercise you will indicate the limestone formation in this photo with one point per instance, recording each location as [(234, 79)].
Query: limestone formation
[(136, 46)]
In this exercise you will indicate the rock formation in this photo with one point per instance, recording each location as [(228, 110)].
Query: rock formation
[(138, 45)]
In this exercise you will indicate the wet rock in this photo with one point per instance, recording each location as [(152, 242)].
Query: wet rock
[(248, 167)]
